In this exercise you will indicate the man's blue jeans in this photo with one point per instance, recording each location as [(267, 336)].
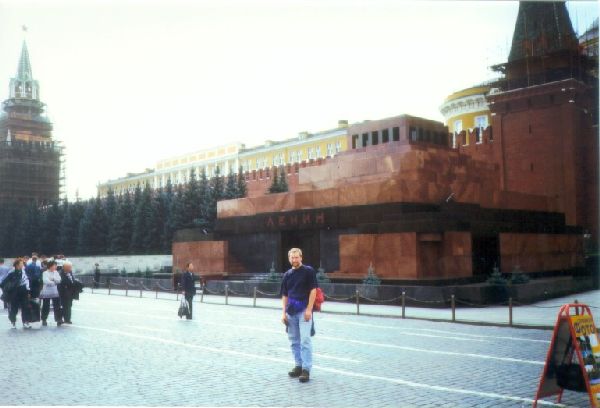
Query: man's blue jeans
[(299, 335)]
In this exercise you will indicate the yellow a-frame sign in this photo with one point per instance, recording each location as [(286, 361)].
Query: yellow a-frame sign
[(573, 360)]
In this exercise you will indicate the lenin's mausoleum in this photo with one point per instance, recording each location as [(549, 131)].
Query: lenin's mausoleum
[(421, 202)]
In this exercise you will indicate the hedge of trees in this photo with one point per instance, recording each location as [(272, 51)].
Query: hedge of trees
[(142, 222)]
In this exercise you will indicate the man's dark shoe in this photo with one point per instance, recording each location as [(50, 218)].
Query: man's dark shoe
[(304, 377), (67, 322), (44, 323), (296, 372)]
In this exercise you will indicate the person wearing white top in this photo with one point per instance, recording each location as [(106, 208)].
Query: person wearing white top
[(51, 279)]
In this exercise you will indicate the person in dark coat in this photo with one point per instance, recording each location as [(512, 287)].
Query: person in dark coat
[(19, 295), (66, 290), (96, 276), (4, 270), (34, 274), (187, 285)]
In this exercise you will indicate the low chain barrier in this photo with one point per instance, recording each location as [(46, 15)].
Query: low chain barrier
[(251, 289), (231, 291), (430, 302), (481, 306), (276, 294), (210, 292), (338, 299)]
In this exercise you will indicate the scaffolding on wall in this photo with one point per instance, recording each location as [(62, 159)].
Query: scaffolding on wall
[(31, 163), (30, 172)]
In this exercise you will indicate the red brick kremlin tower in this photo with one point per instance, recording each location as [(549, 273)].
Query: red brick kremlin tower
[(545, 115)]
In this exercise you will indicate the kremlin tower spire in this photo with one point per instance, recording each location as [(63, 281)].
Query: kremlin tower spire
[(23, 86), (30, 160), (544, 48)]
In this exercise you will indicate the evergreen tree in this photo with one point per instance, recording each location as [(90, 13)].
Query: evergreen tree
[(93, 231), (275, 188), (85, 230), (43, 236), (214, 194), (50, 222), (160, 208), (241, 183), (28, 240), (120, 235), (110, 209), (218, 189), (142, 219), (68, 235), (192, 202), (137, 196), (177, 216), (204, 192), (167, 233), (283, 185), (231, 186), (154, 225), (100, 225), (11, 223)]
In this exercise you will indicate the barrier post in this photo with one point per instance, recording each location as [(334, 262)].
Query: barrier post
[(140, 289), (453, 303), (403, 304), (109, 287), (126, 287), (156, 287), (92, 288), (357, 302), (254, 301), (177, 292), (202, 294), (226, 294), (510, 312)]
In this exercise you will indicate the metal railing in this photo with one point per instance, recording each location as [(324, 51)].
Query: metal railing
[(357, 294)]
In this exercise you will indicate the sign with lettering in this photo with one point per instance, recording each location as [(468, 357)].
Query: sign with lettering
[(298, 220), (573, 361)]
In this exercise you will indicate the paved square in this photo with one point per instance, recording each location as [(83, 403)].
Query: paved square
[(136, 351)]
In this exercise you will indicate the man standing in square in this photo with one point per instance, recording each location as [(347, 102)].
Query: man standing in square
[(188, 286), (298, 292)]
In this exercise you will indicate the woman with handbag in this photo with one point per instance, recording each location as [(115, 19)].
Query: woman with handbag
[(51, 279)]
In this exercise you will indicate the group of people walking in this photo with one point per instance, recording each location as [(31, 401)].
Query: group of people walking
[(34, 283)]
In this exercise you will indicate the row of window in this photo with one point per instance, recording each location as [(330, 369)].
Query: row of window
[(294, 156), (478, 131), (177, 177), (419, 134), (375, 137), (478, 122)]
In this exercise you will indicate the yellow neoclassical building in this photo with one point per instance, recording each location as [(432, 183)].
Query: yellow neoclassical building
[(467, 109), (305, 146), (231, 157)]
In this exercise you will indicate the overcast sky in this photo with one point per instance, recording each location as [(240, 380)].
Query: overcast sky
[(128, 83)]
